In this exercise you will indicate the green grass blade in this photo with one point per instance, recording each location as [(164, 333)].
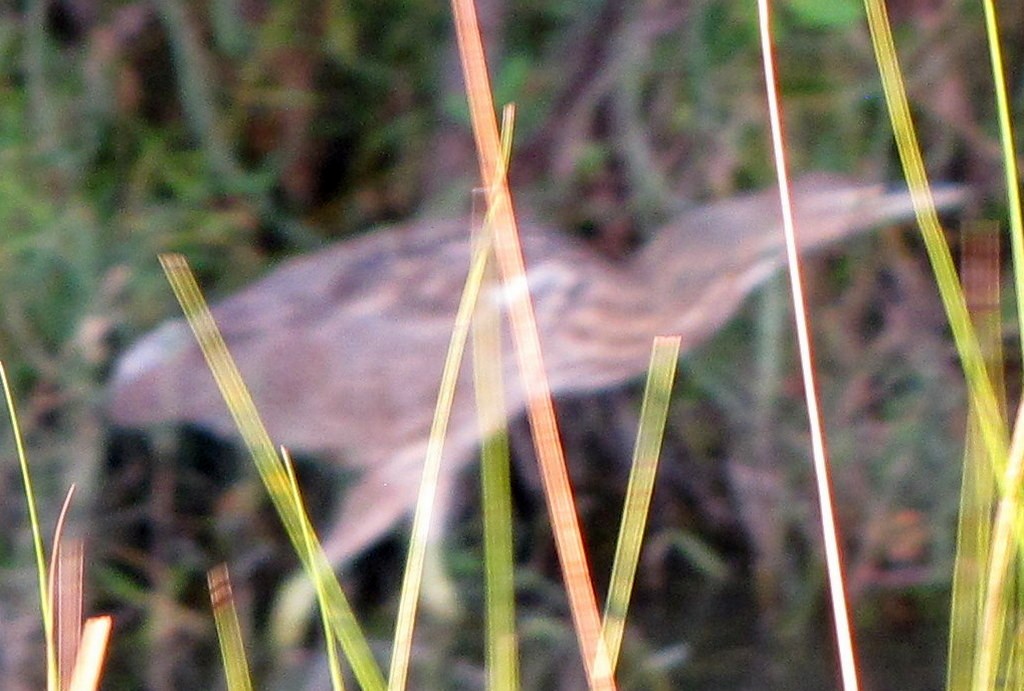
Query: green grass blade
[(229, 633), (981, 279), (1001, 611), (1009, 158), (45, 598), (999, 607), (980, 389), (271, 469), (321, 578), (999, 621), (653, 414), (496, 487), (420, 533)]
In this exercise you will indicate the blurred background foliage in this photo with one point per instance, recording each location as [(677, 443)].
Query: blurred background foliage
[(238, 131)]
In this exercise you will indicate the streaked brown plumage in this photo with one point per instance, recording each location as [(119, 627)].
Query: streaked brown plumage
[(342, 349)]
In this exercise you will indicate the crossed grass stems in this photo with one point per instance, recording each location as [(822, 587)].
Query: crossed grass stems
[(983, 642)]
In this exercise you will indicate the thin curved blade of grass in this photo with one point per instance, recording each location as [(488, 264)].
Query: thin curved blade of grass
[(1001, 607), (92, 653), (981, 281), (320, 579), (1009, 157), (995, 649), (52, 676), (526, 341), (229, 632), (270, 467), (999, 620), (1004, 462), (495, 482), (502, 644), (420, 533), (974, 535), (980, 389), (833, 557), (653, 415)]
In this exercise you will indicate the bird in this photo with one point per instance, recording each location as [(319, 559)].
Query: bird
[(343, 348)]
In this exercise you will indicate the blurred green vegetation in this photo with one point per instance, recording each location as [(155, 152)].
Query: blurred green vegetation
[(237, 131)]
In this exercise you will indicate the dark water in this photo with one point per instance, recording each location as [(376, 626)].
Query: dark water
[(901, 645)]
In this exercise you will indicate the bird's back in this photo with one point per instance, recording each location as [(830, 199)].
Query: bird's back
[(343, 348)]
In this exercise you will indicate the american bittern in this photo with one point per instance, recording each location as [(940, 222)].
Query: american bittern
[(342, 349)]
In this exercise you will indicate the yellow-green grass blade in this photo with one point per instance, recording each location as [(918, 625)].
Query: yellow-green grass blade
[(980, 389), (270, 467), (999, 621), (1001, 612), (992, 430), (45, 599), (229, 632), (1009, 157), (320, 578), (981, 280), (420, 533), (653, 415), (496, 486)]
